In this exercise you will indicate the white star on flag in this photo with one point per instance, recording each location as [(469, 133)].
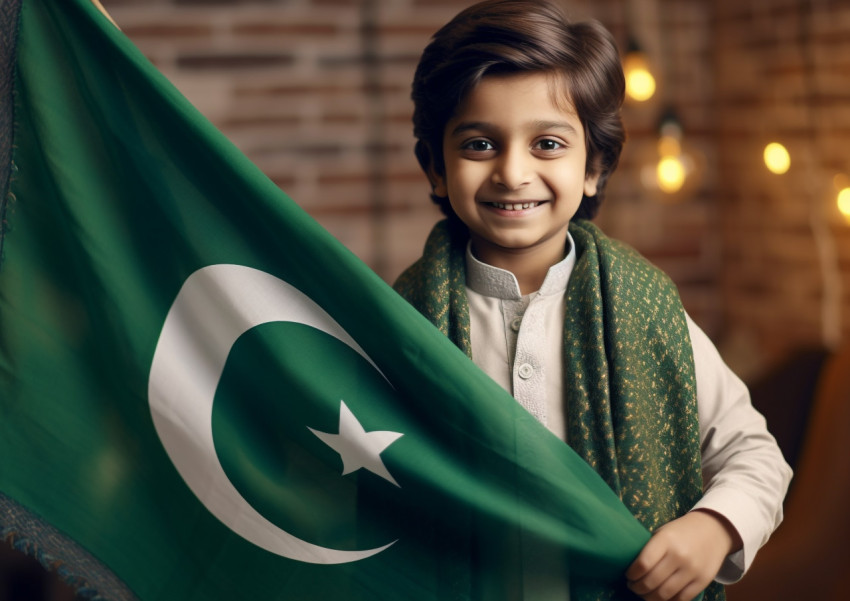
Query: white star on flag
[(358, 448)]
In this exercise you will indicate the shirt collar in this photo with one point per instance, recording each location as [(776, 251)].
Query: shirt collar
[(501, 283)]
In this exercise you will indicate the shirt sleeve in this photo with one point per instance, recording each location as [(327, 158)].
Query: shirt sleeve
[(745, 476)]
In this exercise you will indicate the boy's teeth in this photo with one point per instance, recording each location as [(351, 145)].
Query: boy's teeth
[(515, 206)]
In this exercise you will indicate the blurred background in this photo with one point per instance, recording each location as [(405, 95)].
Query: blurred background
[(735, 180), (316, 93)]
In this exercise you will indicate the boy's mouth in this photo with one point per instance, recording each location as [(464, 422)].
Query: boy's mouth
[(513, 206)]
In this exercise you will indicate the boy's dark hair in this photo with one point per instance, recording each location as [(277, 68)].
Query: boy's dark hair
[(510, 36)]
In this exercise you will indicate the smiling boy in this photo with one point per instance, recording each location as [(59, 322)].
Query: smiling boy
[(514, 163), (517, 120)]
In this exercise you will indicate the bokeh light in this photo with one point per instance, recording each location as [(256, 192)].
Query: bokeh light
[(640, 84), (776, 158), (671, 174), (844, 202)]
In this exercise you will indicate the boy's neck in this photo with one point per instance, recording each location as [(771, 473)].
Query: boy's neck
[(529, 265)]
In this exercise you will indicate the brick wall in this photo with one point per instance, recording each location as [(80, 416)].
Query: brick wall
[(316, 92), (782, 71)]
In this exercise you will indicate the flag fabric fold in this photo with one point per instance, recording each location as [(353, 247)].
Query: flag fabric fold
[(206, 396)]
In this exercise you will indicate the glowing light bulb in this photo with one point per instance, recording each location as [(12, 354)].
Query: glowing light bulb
[(844, 202), (640, 84), (669, 146), (671, 174), (776, 158)]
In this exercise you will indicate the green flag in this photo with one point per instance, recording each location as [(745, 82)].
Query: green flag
[(204, 396)]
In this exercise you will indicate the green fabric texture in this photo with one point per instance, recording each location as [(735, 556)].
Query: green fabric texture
[(167, 341), (629, 375)]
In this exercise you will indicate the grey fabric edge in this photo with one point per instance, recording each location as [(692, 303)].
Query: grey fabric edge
[(86, 575)]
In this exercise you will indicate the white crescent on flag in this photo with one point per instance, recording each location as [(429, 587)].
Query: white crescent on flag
[(215, 306)]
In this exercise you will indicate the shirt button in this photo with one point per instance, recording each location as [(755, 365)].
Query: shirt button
[(516, 322), (525, 371)]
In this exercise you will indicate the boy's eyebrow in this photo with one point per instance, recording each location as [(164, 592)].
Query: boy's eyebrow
[(556, 125), (471, 125), (535, 125)]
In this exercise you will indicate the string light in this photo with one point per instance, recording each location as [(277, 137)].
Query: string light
[(844, 202), (671, 170), (842, 186), (776, 158), (671, 174), (640, 83)]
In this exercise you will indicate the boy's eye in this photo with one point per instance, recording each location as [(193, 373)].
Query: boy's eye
[(549, 144), (478, 145)]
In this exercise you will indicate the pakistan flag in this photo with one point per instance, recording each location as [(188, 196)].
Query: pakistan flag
[(204, 396)]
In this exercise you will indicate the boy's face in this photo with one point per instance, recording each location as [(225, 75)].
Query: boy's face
[(515, 166)]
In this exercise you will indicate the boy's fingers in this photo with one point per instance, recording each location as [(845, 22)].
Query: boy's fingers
[(655, 578), (674, 587), (649, 557)]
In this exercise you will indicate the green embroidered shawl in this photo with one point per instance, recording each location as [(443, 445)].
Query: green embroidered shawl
[(629, 375)]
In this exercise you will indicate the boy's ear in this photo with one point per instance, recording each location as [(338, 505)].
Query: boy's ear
[(590, 184), (438, 182), (426, 161)]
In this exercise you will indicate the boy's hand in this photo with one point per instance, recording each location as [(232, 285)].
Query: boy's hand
[(683, 557)]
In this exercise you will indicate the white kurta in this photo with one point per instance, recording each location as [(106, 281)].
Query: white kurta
[(518, 341)]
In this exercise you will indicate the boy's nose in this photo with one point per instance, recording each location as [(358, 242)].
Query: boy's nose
[(512, 170)]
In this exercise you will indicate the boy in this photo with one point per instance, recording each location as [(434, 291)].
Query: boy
[(517, 120)]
